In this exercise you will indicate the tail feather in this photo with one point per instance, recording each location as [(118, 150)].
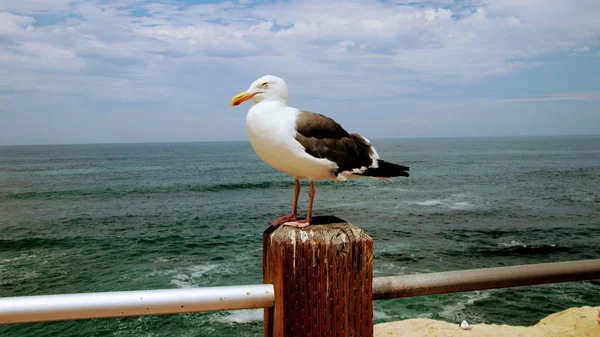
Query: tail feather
[(387, 170)]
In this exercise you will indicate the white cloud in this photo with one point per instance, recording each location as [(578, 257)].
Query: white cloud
[(402, 44), (343, 56), (429, 41), (37, 6), (11, 24), (25, 47)]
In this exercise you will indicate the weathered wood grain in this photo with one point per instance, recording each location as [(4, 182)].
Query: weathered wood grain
[(322, 276)]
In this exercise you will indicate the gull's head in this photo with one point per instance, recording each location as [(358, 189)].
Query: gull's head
[(268, 87)]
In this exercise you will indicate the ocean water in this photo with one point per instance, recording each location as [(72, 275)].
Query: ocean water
[(86, 218)]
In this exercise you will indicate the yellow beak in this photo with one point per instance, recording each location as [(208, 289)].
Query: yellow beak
[(241, 97)]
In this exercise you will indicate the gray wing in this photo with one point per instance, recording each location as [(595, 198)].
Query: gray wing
[(322, 137)]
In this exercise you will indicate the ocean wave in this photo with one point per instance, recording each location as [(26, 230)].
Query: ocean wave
[(120, 193), (516, 248), (453, 311), (398, 257), (482, 243), (241, 316), (19, 277), (381, 315), (22, 169), (447, 203), (389, 268), (573, 198), (17, 258), (190, 277), (37, 243), (576, 173), (512, 243), (500, 233)]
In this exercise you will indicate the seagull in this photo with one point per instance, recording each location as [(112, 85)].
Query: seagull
[(306, 145)]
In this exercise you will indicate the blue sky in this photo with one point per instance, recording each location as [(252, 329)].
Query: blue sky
[(156, 71)]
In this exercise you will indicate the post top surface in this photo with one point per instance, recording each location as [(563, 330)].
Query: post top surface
[(322, 229)]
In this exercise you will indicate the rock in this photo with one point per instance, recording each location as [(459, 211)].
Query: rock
[(573, 322), (464, 325)]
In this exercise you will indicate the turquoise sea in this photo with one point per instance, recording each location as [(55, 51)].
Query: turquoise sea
[(87, 218)]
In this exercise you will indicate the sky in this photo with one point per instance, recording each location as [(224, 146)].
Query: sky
[(98, 71)]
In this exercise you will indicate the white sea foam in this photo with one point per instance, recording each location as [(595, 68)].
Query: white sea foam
[(257, 315), (452, 311), (460, 205), (241, 316), (434, 202), (198, 271), (19, 277), (182, 281), (5, 263), (189, 277), (349, 204), (453, 202), (21, 257), (381, 315), (512, 243), (251, 254), (389, 268)]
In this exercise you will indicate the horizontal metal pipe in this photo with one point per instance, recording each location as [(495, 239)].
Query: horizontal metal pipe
[(133, 303), (171, 301), (487, 278)]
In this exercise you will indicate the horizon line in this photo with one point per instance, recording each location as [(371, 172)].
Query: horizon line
[(247, 141)]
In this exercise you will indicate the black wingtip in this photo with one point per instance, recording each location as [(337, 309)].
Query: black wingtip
[(387, 170)]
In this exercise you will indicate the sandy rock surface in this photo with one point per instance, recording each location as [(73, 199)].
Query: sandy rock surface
[(574, 322)]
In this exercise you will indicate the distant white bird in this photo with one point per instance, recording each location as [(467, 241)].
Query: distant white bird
[(306, 144), (464, 325)]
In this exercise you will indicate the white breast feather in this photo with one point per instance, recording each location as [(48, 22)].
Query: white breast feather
[(271, 129)]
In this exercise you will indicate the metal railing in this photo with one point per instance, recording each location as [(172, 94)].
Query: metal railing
[(485, 278), (28, 309)]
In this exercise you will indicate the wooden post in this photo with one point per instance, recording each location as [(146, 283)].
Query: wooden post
[(323, 276)]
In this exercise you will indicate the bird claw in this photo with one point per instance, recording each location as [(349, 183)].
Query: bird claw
[(297, 224), (283, 219)]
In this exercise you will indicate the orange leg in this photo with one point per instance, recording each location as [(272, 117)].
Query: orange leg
[(308, 220), (294, 215)]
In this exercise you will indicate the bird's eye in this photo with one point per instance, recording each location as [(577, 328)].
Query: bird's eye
[(264, 85)]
